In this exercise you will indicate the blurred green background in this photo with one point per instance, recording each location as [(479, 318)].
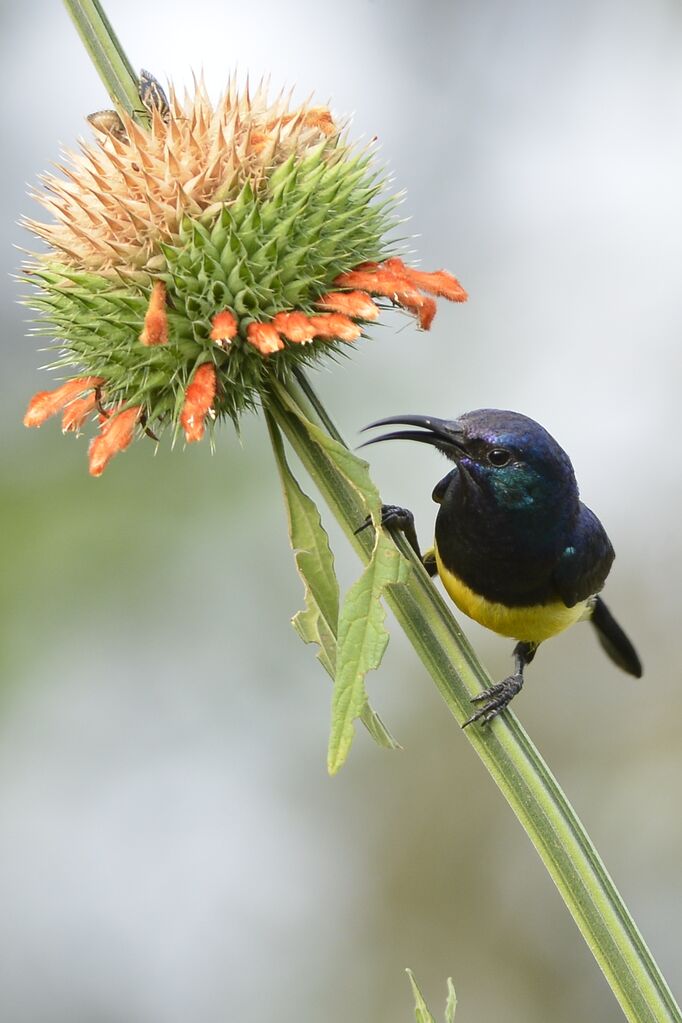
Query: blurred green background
[(171, 846)]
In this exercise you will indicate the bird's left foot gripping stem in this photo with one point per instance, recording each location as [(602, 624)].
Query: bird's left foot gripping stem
[(496, 698), (393, 517)]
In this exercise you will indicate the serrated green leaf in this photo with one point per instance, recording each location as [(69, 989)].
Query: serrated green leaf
[(318, 623), (312, 628), (362, 642), (451, 1003), (362, 638), (421, 1012)]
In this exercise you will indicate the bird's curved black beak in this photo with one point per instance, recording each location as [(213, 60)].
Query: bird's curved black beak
[(445, 434)]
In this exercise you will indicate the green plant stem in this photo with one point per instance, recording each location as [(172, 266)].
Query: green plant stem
[(107, 55), (505, 749)]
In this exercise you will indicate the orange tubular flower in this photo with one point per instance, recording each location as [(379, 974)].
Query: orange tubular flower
[(155, 331), (437, 282), (424, 307), (47, 403), (115, 435), (400, 283), (223, 327), (77, 411), (295, 327), (376, 279), (264, 337), (315, 117), (352, 303), (320, 118), (335, 325), (199, 398)]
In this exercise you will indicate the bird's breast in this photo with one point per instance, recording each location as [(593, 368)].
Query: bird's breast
[(529, 623)]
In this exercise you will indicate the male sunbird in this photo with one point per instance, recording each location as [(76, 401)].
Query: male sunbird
[(515, 548)]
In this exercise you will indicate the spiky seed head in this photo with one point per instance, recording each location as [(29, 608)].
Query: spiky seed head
[(225, 236)]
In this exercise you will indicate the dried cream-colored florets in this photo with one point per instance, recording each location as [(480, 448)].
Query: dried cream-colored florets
[(122, 195)]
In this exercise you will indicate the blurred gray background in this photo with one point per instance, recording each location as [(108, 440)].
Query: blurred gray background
[(171, 847)]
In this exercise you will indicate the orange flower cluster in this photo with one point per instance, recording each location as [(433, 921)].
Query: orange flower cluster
[(391, 279), (77, 399), (404, 286), (316, 117), (340, 311), (71, 398), (117, 428)]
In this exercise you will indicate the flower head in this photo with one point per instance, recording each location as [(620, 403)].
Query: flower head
[(192, 262)]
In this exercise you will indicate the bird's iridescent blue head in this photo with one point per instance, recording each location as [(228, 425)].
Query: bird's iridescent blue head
[(508, 458)]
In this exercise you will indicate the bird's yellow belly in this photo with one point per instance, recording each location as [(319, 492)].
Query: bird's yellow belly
[(530, 624)]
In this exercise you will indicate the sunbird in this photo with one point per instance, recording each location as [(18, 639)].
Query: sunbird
[(515, 547)]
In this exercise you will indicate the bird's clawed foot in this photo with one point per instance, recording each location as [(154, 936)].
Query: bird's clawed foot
[(392, 517), (495, 699), (395, 518)]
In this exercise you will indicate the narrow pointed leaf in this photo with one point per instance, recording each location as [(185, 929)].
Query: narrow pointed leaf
[(421, 1012), (451, 1003)]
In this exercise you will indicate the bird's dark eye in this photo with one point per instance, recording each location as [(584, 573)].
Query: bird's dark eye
[(499, 457)]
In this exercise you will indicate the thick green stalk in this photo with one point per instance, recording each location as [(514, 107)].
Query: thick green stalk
[(506, 750), (106, 54)]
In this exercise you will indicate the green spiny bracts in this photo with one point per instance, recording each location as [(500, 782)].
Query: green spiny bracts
[(191, 264)]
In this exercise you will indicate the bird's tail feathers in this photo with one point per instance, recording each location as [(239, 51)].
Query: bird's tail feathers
[(613, 639)]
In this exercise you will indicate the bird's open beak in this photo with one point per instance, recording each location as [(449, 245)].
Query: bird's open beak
[(444, 434)]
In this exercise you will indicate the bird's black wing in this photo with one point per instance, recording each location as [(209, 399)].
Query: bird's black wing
[(586, 561)]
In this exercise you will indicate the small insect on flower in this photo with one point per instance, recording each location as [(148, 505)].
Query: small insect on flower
[(109, 123), (195, 261), (153, 96)]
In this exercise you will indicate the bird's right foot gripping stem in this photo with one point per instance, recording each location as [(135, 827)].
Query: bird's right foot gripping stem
[(497, 697)]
